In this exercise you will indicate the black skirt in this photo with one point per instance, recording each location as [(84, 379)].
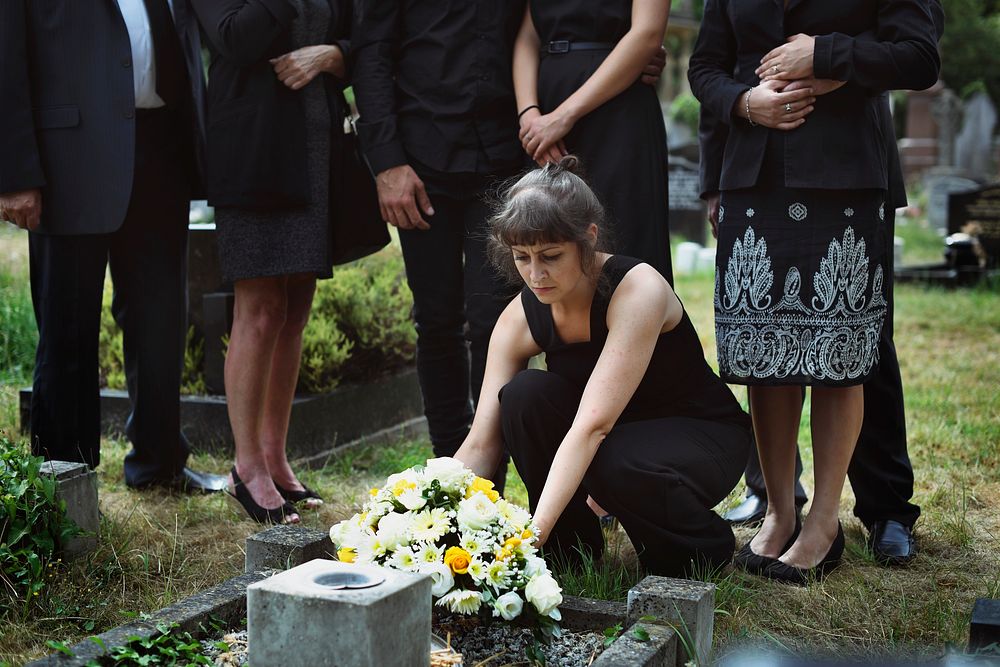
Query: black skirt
[(799, 285)]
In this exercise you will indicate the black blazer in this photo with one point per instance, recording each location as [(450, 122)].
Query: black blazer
[(67, 108), (843, 143), (256, 124)]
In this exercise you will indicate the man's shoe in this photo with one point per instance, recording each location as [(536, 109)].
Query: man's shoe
[(751, 511), (187, 481), (891, 542)]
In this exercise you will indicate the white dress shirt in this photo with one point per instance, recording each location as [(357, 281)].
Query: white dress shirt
[(143, 61)]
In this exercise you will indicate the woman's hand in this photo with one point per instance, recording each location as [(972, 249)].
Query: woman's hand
[(771, 107), (298, 68), (542, 134), (819, 86), (792, 60)]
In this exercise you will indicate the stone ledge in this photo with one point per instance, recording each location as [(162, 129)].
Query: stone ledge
[(660, 650), (284, 547), (582, 614)]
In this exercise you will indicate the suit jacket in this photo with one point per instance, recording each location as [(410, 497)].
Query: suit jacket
[(256, 124), (874, 45), (67, 119)]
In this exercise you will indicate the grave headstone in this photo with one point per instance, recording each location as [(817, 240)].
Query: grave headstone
[(77, 487), (984, 629), (688, 216), (330, 613), (973, 146), (687, 606), (978, 212), (283, 547), (947, 111), (941, 183)]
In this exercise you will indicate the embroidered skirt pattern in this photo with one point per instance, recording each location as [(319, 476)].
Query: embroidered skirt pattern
[(799, 286)]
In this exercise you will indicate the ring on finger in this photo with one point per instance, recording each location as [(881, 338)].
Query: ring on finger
[(788, 107), (774, 69)]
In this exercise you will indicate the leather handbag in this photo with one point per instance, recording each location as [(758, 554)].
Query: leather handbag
[(356, 225)]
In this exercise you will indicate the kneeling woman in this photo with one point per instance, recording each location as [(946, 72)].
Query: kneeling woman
[(628, 412)]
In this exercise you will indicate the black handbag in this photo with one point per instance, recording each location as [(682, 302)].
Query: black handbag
[(356, 225)]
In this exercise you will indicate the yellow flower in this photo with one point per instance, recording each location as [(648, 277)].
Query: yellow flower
[(401, 486), (481, 484), (527, 534), (512, 543), (373, 492), (347, 555), (457, 559), (505, 553)]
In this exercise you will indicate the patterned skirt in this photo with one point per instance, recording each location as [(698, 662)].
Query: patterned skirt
[(799, 285)]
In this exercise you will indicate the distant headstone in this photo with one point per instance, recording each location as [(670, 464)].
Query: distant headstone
[(688, 216), (978, 212), (947, 112), (973, 146), (941, 183)]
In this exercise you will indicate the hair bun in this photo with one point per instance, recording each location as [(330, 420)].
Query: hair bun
[(570, 163)]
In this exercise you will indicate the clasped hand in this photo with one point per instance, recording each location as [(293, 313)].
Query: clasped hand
[(298, 68), (542, 135), (23, 208)]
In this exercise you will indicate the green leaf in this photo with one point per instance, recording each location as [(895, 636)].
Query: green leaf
[(639, 633), (60, 646)]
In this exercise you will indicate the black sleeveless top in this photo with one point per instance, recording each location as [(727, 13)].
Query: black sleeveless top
[(678, 381)]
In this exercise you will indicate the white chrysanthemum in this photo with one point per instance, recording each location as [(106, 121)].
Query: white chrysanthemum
[(450, 473), (404, 559), (543, 592), (498, 574), (476, 542), (517, 518), (394, 529), (339, 531), (377, 510), (378, 547), (430, 553), (441, 577), (476, 513), (430, 525), (534, 566), (477, 569), (462, 601), (412, 499), (508, 606)]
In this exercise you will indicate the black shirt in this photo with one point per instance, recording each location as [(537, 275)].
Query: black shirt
[(678, 381), (433, 83)]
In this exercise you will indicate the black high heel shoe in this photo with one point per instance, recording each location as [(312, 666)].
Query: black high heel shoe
[(256, 512), (800, 576), (753, 562), (299, 496)]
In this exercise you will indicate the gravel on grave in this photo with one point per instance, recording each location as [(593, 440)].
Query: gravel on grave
[(490, 645)]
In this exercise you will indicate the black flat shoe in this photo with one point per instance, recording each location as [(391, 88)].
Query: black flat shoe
[(799, 576), (299, 496), (256, 512), (753, 562), (751, 511), (891, 542)]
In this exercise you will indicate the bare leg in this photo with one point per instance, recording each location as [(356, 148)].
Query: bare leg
[(837, 413), (284, 377), (259, 316), (776, 413)]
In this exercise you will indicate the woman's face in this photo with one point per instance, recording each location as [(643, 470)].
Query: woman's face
[(551, 270)]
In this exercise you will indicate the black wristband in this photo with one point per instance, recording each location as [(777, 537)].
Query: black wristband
[(526, 110)]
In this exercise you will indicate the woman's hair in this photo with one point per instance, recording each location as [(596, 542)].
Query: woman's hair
[(552, 204)]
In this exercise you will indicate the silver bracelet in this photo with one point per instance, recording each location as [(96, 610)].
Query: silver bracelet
[(749, 119)]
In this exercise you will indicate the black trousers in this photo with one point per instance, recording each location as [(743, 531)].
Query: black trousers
[(148, 270), (880, 471), (659, 477), (457, 298)]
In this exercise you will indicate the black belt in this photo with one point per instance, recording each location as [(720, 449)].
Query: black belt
[(565, 46)]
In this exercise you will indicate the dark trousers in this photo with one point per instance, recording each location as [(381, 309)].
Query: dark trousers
[(880, 471), (457, 298), (659, 477), (147, 259)]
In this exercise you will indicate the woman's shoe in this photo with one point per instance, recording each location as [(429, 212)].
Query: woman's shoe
[(753, 562), (256, 512), (298, 496), (799, 576)]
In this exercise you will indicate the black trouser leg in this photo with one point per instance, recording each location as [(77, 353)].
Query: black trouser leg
[(755, 477), (537, 408), (880, 471), (148, 269), (67, 283)]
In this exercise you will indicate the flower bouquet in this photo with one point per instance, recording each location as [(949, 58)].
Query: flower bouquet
[(443, 520)]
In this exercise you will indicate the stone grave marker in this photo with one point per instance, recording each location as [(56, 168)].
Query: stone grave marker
[(77, 487), (941, 183), (973, 145), (687, 606), (688, 215), (980, 209), (984, 630)]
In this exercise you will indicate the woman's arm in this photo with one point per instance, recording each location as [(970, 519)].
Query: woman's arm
[(620, 69), (642, 304), (511, 346), (525, 69), (242, 31)]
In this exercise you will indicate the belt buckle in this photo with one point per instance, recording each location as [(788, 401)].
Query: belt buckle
[(559, 46)]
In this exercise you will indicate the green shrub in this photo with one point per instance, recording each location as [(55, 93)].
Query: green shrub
[(18, 335), (685, 110), (33, 525)]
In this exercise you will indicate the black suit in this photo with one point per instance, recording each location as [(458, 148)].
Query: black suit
[(115, 184), (880, 471)]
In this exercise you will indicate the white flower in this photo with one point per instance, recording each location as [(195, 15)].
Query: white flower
[(477, 569), (543, 592), (517, 517), (441, 578), (430, 553), (403, 481), (476, 512), (394, 528), (476, 542), (412, 499), (508, 606), (462, 601), (498, 574), (430, 525), (534, 566), (450, 473), (404, 559)]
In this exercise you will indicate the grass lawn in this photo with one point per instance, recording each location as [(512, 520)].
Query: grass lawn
[(157, 548)]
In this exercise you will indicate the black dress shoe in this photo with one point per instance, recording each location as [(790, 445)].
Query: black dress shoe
[(751, 511), (753, 562), (800, 576), (891, 542), (192, 481)]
